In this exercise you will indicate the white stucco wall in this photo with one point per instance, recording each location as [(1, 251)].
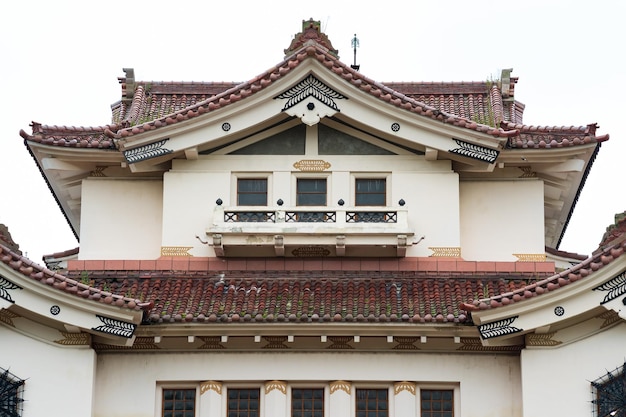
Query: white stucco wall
[(121, 219), (500, 219), (488, 385), (556, 382), (59, 380), (429, 188)]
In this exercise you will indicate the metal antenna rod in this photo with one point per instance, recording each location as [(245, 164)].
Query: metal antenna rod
[(355, 44)]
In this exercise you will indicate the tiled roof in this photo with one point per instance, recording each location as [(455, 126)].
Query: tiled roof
[(484, 106), (60, 282), (305, 297), (98, 137)]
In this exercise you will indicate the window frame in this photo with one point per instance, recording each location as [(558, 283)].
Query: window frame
[(317, 176), (387, 387), (250, 176), (357, 194), (229, 387), (370, 176), (300, 193), (163, 386), (323, 388), (455, 388)]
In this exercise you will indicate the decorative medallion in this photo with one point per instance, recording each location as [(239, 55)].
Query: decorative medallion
[(211, 342), (445, 252), (55, 310), (530, 257), (340, 342), (559, 311), (311, 165), (5, 286), (405, 343), (609, 393), (310, 251), (211, 386), (176, 250), (275, 342), (542, 339), (74, 339), (276, 385), (614, 287), (115, 327), (498, 328), (395, 127), (475, 151), (149, 151), (340, 386), (410, 387), (226, 127)]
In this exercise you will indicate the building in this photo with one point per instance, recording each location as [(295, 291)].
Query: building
[(312, 242)]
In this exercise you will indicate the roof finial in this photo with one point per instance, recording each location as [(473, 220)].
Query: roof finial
[(355, 44)]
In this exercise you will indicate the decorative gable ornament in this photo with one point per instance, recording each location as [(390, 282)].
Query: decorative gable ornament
[(310, 100)]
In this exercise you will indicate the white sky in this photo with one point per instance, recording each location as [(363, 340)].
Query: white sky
[(61, 60)]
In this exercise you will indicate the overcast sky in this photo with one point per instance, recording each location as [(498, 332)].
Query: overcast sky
[(61, 60)]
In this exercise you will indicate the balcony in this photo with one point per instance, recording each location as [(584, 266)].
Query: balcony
[(310, 231)]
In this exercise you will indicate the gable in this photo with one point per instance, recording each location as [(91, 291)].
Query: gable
[(330, 141)]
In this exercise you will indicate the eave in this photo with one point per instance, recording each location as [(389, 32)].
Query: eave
[(37, 295), (563, 305)]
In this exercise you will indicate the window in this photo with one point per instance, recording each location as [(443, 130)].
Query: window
[(252, 191), (609, 393), (179, 402), (372, 403), (311, 192), (11, 390), (437, 403), (243, 402), (370, 192), (307, 402)]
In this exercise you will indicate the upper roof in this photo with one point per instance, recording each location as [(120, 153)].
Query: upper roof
[(486, 110)]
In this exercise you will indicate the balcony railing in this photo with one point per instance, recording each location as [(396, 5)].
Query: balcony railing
[(382, 215)]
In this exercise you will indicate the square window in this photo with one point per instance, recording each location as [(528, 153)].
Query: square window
[(243, 402), (370, 192), (252, 191), (311, 192), (179, 402), (437, 403), (372, 403), (307, 402)]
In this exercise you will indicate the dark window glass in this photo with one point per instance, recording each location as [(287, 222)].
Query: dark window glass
[(243, 402), (372, 403), (311, 192), (437, 403), (11, 390), (179, 402), (371, 192), (307, 402), (252, 192)]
